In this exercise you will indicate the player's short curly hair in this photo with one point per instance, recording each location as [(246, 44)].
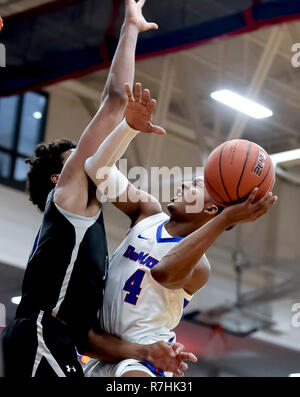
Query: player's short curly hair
[(46, 161)]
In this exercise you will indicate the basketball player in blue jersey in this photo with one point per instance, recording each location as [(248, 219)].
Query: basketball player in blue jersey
[(161, 263), (64, 280)]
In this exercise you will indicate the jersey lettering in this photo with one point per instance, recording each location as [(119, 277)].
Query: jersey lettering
[(141, 257), (133, 287)]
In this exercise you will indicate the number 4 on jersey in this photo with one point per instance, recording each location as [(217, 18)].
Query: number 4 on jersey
[(132, 286)]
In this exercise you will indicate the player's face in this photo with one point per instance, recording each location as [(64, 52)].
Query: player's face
[(190, 197)]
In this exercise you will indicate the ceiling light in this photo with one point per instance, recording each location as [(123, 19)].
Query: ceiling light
[(241, 104), (296, 375), (37, 115), (16, 300), (283, 157)]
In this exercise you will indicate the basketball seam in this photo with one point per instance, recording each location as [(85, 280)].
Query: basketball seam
[(242, 198), (243, 170), (206, 180), (220, 170)]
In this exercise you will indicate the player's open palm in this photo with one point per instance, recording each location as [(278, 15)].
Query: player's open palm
[(140, 109)]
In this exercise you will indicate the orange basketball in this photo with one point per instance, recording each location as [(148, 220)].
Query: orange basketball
[(235, 168)]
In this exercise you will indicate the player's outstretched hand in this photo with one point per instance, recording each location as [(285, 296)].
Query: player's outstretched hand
[(249, 211), (139, 110), (133, 15), (181, 357), (170, 357)]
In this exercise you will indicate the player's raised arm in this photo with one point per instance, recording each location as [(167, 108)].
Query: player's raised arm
[(101, 166), (190, 273), (114, 99)]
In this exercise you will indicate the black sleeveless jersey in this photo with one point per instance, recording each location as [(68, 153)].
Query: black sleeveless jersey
[(66, 271)]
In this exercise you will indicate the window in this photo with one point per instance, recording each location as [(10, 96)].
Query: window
[(22, 124)]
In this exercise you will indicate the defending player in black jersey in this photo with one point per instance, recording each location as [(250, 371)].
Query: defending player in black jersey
[(64, 279)]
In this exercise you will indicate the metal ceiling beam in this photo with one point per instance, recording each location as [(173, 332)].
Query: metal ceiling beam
[(258, 78), (142, 76), (89, 105), (79, 88), (191, 100), (161, 114), (273, 82)]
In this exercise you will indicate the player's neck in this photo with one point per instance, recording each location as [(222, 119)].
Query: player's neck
[(177, 228)]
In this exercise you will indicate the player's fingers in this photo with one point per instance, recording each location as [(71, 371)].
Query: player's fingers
[(141, 3), (264, 208), (188, 357), (263, 202), (152, 105), (128, 92), (252, 195), (152, 25), (273, 200), (138, 92), (268, 203), (156, 129), (260, 203), (177, 347), (270, 200), (146, 97), (179, 373), (183, 366)]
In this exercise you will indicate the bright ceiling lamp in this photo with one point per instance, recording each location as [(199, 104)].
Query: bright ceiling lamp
[(283, 157), (241, 104), (37, 115), (16, 300), (295, 375)]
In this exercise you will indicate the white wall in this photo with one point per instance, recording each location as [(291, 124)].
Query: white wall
[(19, 224)]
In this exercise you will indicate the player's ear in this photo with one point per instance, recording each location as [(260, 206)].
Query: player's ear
[(211, 210), (54, 178)]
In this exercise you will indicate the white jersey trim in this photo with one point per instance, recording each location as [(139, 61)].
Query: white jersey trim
[(81, 225), (43, 351)]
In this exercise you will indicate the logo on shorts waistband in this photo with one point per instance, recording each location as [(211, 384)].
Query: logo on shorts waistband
[(71, 369)]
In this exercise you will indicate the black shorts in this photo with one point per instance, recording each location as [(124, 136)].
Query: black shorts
[(39, 347)]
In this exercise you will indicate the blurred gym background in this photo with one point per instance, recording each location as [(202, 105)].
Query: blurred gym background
[(244, 322)]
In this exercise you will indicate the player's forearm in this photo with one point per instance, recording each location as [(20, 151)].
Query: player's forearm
[(110, 151), (109, 348), (177, 265), (123, 65)]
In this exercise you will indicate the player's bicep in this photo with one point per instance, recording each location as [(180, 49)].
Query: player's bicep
[(171, 276), (198, 277)]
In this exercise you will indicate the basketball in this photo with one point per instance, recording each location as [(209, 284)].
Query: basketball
[(235, 168), (1, 24)]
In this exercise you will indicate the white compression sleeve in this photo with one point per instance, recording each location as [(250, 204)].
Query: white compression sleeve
[(112, 183), (101, 166), (111, 149)]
